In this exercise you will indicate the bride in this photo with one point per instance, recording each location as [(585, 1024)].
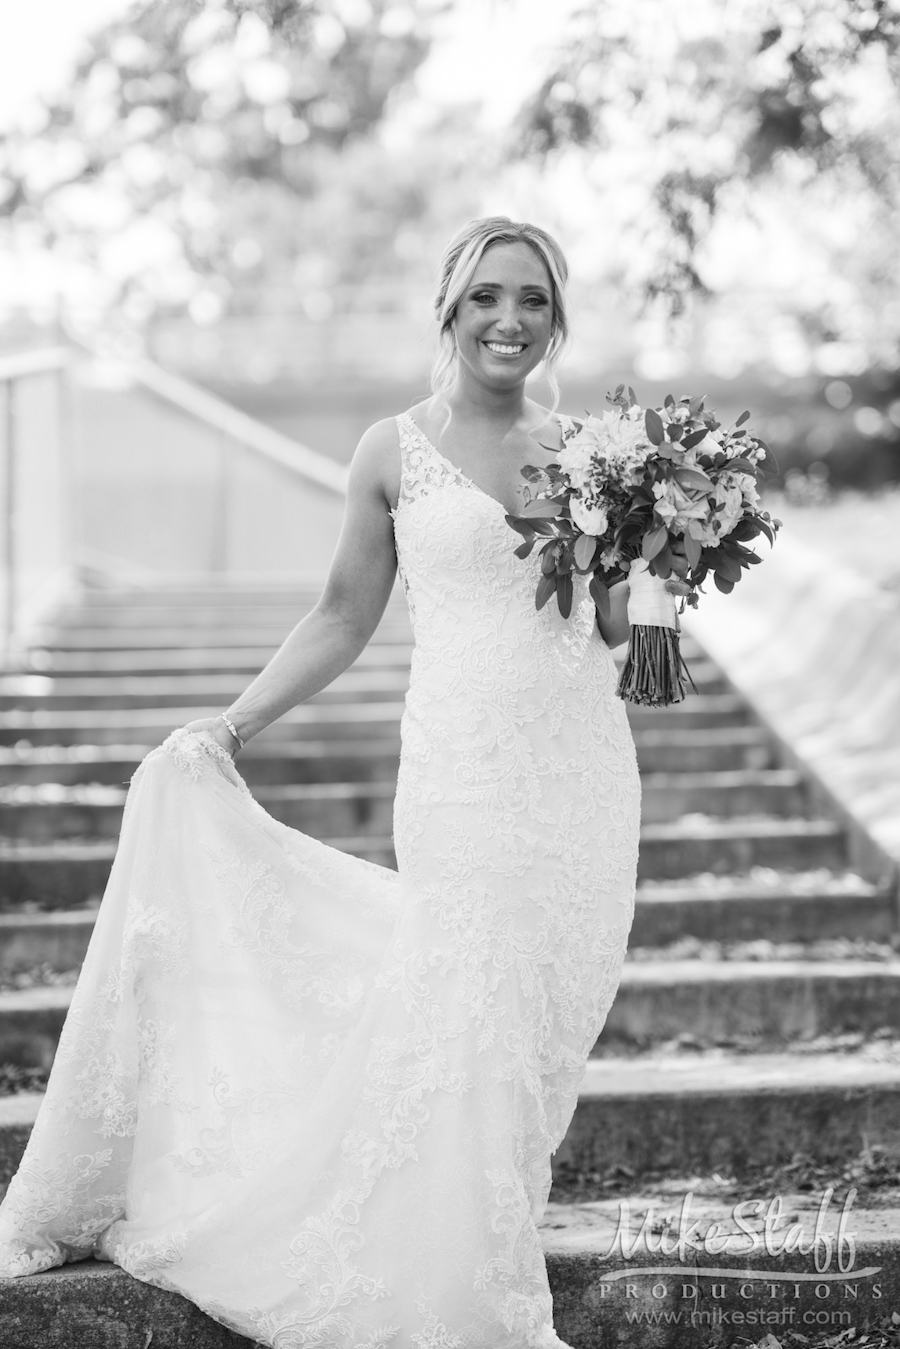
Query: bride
[(316, 1096)]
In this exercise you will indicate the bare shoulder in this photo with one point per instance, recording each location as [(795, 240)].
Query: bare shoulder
[(378, 441), (375, 467), (556, 425)]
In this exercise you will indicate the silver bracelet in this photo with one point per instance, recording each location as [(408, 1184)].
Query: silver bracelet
[(231, 727)]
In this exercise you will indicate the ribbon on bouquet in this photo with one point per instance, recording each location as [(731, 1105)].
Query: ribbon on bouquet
[(649, 603), (654, 671)]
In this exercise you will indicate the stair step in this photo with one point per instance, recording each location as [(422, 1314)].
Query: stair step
[(664, 914), (319, 760), (714, 749), (61, 641), (716, 1292), (688, 1306), (261, 762), (118, 725), (181, 596), (42, 692), (248, 660), (59, 938), (750, 791), (30, 1022), (726, 1112), (761, 1002), (151, 725), (190, 617), (95, 811), (65, 874), (56, 939), (725, 847), (684, 1115)]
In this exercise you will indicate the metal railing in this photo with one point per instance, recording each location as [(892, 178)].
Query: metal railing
[(121, 472), (34, 486)]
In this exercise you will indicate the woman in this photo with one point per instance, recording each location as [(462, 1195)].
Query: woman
[(316, 1096)]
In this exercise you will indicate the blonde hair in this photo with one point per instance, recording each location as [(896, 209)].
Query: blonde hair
[(461, 257)]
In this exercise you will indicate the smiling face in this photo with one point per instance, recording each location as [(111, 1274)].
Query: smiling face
[(504, 318)]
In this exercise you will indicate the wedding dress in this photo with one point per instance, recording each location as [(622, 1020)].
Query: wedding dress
[(319, 1097)]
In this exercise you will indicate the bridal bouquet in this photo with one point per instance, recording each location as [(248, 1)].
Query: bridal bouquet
[(652, 494)]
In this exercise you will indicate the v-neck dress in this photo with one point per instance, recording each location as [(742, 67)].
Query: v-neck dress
[(319, 1097)]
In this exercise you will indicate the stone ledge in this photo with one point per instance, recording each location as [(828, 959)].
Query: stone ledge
[(92, 1305)]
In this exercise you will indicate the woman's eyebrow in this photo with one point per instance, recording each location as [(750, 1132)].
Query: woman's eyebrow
[(496, 285)]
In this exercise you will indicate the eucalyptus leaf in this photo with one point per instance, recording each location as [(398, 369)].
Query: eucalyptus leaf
[(600, 596), (564, 594), (727, 566), (653, 423), (585, 547), (693, 438), (654, 542), (545, 588), (540, 510)]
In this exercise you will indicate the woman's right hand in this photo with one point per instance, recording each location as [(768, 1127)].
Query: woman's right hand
[(218, 730)]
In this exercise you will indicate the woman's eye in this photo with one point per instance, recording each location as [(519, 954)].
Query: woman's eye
[(536, 301), (484, 298)]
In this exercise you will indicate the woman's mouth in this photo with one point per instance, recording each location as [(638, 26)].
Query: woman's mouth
[(506, 348)]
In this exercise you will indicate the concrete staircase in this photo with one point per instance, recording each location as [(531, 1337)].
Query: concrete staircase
[(753, 1050)]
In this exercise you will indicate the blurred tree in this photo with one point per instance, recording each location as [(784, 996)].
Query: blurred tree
[(196, 131), (723, 111)]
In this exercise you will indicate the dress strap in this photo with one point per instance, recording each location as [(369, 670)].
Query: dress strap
[(423, 469)]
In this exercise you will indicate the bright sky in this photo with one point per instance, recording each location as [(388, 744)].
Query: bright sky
[(487, 48), (39, 41)]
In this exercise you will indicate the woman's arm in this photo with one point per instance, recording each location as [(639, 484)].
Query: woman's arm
[(331, 636), (616, 629)]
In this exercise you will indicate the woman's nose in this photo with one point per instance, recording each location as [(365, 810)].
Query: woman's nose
[(508, 319)]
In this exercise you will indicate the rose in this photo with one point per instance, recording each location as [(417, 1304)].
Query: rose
[(590, 517), (676, 508)]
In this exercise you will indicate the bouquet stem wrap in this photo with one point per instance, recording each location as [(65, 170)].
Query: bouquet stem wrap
[(654, 672)]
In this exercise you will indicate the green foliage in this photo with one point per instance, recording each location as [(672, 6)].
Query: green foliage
[(636, 525), (200, 140), (702, 113)]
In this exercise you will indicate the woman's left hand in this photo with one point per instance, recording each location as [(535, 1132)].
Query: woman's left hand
[(218, 730)]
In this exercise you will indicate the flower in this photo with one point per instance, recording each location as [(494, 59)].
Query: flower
[(676, 507), (610, 448), (590, 517)]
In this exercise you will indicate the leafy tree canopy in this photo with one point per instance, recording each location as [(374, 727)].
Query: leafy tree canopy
[(142, 171), (693, 119)]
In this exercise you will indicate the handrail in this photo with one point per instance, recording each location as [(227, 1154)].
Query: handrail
[(206, 407), (38, 362)]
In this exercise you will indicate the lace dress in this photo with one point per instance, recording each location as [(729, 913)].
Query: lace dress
[(318, 1097)]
